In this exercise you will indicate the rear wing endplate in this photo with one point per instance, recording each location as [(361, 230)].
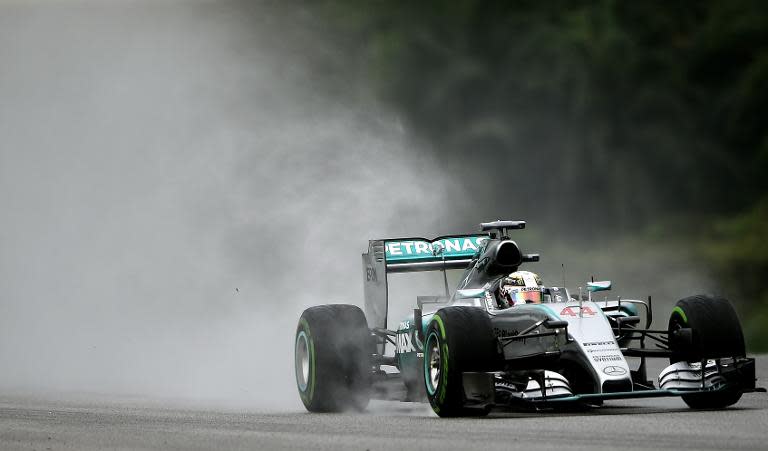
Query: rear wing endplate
[(411, 255)]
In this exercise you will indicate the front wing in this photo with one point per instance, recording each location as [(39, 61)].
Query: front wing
[(741, 378)]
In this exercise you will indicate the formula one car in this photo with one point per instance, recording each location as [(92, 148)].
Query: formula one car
[(474, 351)]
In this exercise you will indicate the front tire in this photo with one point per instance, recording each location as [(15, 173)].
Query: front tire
[(458, 339), (715, 333), (333, 350)]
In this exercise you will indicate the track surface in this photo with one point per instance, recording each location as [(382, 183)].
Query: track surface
[(98, 422)]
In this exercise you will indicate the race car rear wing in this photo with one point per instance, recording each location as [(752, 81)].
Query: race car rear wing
[(410, 255)]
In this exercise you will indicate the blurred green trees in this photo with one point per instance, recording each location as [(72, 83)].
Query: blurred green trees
[(636, 114)]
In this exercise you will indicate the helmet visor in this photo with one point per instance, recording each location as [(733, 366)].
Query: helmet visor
[(523, 296)]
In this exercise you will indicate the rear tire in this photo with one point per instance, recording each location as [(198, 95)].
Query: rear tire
[(333, 350), (458, 339), (715, 333)]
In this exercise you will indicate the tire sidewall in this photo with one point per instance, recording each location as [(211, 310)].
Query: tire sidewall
[(465, 340), (307, 392), (436, 334), (339, 349), (715, 328), (715, 333)]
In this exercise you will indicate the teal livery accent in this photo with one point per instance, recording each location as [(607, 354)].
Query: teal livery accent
[(546, 310), (464, 246), (630, 309), (425, 319), (407, 343), (408, 361), (599, 286), (470, 293), (407, 325)]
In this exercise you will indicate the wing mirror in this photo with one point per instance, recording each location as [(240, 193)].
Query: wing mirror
[(604, 285)]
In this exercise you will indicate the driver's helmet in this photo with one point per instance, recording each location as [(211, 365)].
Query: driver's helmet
[(520, 287)]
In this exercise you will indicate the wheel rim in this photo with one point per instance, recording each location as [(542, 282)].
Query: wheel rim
[(302, 360), (433, 362)]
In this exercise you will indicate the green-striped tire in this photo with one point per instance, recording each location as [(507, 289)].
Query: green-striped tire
[(458, 339), (715, 333), (333, 350)]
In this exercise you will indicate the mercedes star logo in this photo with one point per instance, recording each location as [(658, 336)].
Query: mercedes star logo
[(614, 371)]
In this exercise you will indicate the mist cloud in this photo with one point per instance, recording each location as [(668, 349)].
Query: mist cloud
[(174, 191)]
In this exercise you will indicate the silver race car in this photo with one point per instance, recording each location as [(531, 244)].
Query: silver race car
[(502, 340)]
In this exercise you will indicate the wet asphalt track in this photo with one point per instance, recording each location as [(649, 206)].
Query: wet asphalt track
[(97, 422)]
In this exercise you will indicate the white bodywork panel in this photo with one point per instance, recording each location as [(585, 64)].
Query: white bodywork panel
[(687, 376), (556, 385), (590, 328)]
